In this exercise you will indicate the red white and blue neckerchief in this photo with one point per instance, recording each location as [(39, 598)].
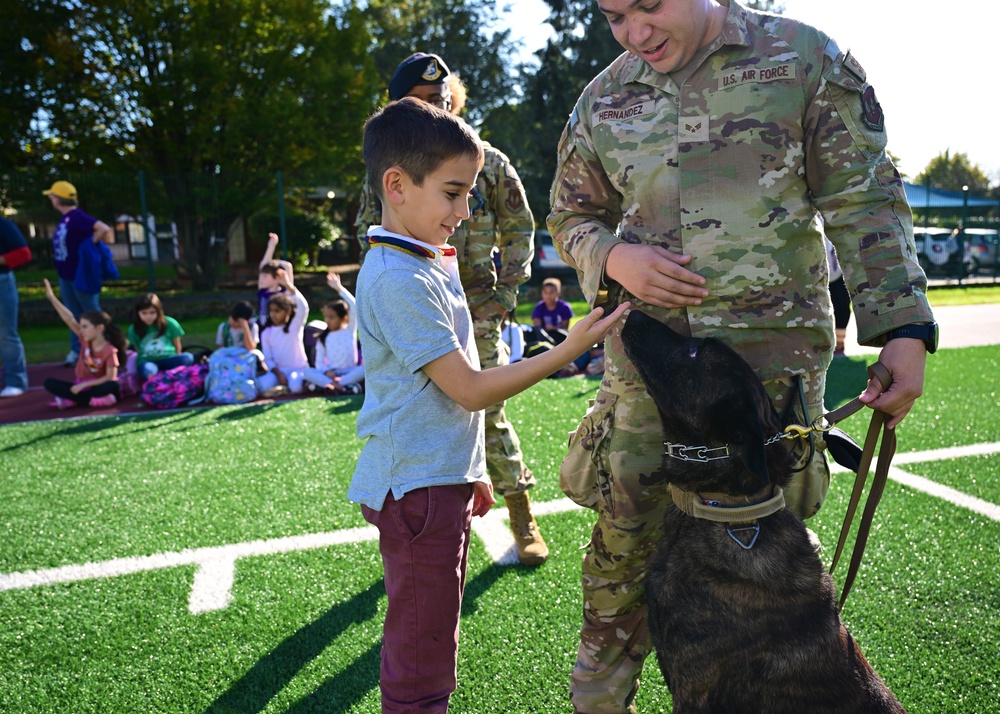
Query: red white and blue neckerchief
[(445, 253)]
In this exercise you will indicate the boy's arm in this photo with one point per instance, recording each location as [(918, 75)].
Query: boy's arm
[(272, 243), (64, 312), (249, 340), (473, 389)]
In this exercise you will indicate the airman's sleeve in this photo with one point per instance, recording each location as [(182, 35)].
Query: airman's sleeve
[(515, 235), (586, 210), (369, 214), (860, 195)]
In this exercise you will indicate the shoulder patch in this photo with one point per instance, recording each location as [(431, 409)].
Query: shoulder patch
[(871, 110)]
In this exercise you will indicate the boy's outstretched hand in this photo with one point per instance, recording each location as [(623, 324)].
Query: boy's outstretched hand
[(48, 290), (482, 498), (333, 280), (591, 329)]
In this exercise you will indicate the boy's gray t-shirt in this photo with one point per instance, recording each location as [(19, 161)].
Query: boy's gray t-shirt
[(409, 314)]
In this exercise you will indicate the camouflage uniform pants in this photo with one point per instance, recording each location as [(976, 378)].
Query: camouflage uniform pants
[(504, 460), (614, 466)]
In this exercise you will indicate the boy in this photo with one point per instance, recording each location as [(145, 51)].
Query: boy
[(551, 313), (422, 473), (267, 278)]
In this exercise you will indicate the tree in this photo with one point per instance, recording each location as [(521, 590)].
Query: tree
[(462, 32), (529, 132), (210, 98), (952, 173)]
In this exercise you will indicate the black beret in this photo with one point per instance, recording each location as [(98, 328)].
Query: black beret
[(418, 68)]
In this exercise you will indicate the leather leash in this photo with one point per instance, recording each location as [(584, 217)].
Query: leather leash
[(878, 372)]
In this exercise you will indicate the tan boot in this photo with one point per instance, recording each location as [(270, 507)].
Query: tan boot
[(531, 549), (838, 351)]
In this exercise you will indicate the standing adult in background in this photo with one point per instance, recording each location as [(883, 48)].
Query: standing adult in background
[(840, 298), (691, 177), (500, 221), (74, 228), (14, 252)]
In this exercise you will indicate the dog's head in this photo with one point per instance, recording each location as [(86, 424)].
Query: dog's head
[(707, 395)]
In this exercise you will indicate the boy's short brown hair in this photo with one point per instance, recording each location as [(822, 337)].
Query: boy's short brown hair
[(271, 267), (417, 137)]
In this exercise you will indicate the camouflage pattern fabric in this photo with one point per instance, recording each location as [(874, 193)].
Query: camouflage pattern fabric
[(768, 138), (500, 222)]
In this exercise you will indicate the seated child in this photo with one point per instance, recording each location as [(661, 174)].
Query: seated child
[(267, 278), (102, 350), (240, 330), (422, 469), (551, 313), (336, 365), (285, 361), (156, 338)]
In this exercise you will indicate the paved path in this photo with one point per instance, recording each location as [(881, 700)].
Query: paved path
[(960, 326)]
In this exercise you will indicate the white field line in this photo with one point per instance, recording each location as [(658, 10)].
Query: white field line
[(216, 565)]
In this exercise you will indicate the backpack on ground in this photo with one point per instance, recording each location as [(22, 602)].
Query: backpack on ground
[(175, 387), (231, 373)]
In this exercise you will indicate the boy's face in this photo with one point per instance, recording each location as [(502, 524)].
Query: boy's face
[(267, 281), (550, 294), (433, 211)]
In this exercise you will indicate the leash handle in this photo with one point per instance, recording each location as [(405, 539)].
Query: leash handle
[(880, 373)]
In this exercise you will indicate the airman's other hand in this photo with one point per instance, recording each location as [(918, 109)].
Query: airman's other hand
[(906, 360)]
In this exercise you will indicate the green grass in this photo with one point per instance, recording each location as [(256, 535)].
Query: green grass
[(302, 631)]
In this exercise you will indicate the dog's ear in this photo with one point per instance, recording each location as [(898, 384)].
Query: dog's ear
[(753, 451)]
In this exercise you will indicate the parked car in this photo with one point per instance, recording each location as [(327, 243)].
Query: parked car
[(547, 263), (937, 250), (981, 247)]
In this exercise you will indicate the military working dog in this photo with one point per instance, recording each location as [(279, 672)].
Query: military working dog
[(743, 616)]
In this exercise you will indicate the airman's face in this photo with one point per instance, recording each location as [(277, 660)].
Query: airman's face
[(665, 33), (438, 95)]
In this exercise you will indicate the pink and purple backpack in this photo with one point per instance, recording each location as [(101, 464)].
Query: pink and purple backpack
[(175, 387)]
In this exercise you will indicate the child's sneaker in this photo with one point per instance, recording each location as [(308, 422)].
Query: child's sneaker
[(108, 400), (62, 403), (350, 389)]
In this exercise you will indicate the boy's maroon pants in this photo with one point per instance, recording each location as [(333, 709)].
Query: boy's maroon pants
[(424, 541)]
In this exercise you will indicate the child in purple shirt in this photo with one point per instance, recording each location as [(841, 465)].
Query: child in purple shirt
[(551, 313)]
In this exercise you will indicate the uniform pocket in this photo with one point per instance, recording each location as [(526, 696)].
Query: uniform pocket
[(585, 474)]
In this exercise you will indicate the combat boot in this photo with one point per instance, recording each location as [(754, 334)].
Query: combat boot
[(841, 333), (531, 548)]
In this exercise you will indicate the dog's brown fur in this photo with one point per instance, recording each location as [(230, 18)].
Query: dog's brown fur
[(739, 630)]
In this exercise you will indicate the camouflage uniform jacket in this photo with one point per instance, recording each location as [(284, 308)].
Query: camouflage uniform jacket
[(733, 159), (500, 219)]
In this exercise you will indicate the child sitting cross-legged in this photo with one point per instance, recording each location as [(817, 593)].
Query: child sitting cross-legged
[(422, 470), (281, 342), (102, 350), (336, 367), (156, 338)]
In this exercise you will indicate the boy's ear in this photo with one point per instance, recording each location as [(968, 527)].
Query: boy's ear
[(393, 181)]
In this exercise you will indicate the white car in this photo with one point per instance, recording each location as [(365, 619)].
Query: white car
[(547, 263)]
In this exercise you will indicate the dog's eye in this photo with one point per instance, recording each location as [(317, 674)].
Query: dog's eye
[(693, 351)]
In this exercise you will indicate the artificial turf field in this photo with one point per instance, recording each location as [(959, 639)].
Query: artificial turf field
[(228, 572)]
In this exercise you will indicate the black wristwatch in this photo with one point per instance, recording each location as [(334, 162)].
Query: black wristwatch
[(927, 332)]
